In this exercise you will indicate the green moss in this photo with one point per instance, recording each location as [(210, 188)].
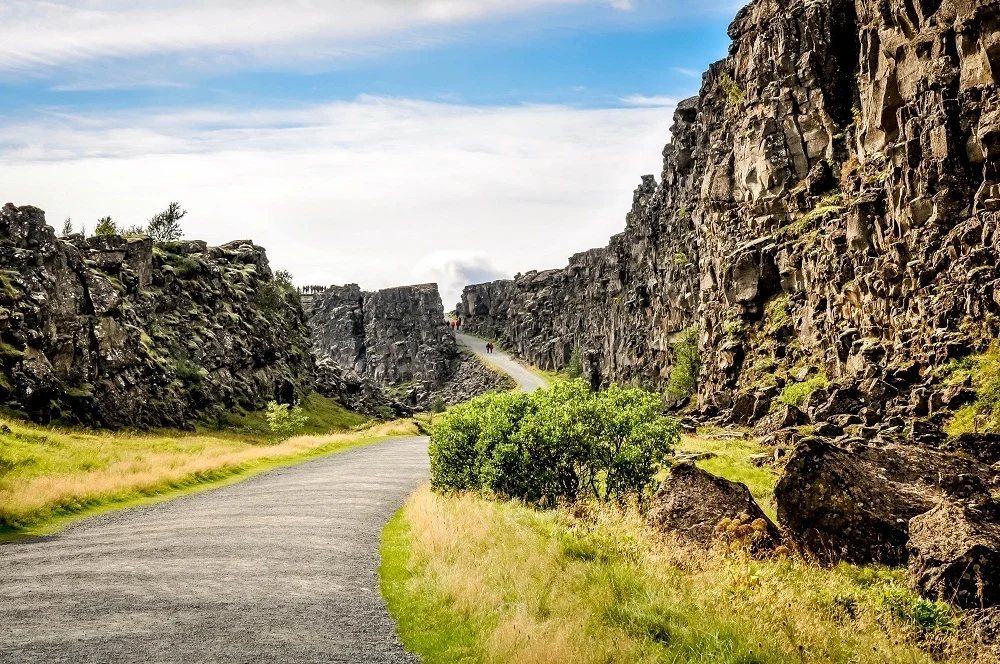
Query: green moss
[(687, 365), (776, 314), (681, 259), (6, 284), (983, 371), (795, 394), (84, 391), (7, 350)]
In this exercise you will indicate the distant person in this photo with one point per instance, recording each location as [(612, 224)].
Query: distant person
[(458, 323)]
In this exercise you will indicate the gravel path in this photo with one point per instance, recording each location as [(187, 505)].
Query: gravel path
[(279, 568), (528, 381)]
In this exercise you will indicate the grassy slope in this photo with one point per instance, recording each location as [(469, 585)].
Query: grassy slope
[(471, 580), (50, 476)]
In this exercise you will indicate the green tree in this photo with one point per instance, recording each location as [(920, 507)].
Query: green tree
[(285, 420), (165, 226), (687, 365), (552, 445), (105, 226), (575, 367), (135, 230), (67, 227)]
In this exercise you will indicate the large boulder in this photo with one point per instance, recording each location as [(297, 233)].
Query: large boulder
[(857, 505), (955, 554), (692, 503)]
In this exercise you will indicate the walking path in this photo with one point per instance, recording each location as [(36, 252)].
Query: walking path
[(279, 568), (528, 381)]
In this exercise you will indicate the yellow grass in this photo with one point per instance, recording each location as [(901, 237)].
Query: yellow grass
[(471, 580), (48, 474)]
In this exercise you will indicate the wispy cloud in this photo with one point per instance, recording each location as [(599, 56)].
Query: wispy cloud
[(690, 73), (55, 33), (649, 102), (377, 190)]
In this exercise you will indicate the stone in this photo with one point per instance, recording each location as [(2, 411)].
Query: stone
[(954, 555), (692, 503), (856, 504), (784, 417)]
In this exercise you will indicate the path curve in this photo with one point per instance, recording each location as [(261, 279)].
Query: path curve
[(528, 381), (282, 567)]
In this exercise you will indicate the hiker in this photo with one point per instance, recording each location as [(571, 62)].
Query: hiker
[(489, 348), (458, 323)]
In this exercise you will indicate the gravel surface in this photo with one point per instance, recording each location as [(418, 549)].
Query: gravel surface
[(279, 568), (528, 381)]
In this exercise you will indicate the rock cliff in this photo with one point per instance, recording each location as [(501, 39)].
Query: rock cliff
[(116, 331), (828, 206), (392, 336)]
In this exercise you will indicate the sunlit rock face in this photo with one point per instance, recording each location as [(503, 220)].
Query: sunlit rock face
[(828, 203)]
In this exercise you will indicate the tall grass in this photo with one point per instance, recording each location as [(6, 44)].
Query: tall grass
[(472, 580), (48, 474)]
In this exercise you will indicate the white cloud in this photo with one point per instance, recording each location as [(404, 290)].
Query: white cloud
[(642, 100), (53, 33), (452, 271), (368, 191), (690, 73), (624, 5)]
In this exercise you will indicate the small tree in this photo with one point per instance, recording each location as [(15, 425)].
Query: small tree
[(575, 367), (105, 226), (67, 228), (687, 365), (285, 420), (134, 230), (166, 227)]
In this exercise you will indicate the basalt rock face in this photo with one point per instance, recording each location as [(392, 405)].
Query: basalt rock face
[(829, 203), (115, 331), (392, 337)]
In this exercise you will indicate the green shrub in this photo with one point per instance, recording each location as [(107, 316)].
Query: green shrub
[(687, 365), (733, 91), (575, 367), (438, 405), (983, 371), (105, 226), (285, 420), (554, 445)]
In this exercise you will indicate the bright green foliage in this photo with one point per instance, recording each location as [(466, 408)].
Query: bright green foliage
[(285, 420), (555, 444), (105, 226), (687, 365), (733, 91), (795, 394), (575, 367)]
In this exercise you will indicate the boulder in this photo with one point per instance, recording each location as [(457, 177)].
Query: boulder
[(856, 505), (954, 553), (692, 503), (784, 417)]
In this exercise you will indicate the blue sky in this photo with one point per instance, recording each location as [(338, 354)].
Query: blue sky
[(376, 141)]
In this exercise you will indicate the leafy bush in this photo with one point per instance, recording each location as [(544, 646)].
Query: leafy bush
[(553, 445), (575, 367), (687, 365), (285, 420)]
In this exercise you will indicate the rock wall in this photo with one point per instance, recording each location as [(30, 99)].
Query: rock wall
[(829, 203), (115, 331), (393, 337)]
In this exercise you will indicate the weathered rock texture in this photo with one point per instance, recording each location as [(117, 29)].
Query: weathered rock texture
[(830, 201), (115, 331), (692, 503), (393, 337)]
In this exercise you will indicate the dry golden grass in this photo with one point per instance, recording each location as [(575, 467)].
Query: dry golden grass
[(473, 580), (50, 473)]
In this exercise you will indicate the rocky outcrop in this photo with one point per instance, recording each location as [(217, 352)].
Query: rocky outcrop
[(856, 505), (116, 331), (692, 504), (472, 378), (955, 554), (393, 337), (356, 393), (829, 205)]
